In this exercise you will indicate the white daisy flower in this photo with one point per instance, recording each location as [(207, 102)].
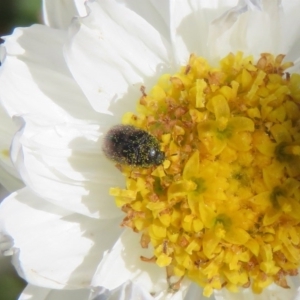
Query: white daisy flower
[(215, 84)]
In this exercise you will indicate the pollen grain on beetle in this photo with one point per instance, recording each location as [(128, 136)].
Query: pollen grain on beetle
[(223, 210)]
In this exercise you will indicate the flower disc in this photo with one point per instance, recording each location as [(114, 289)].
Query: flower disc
[(224, 208)]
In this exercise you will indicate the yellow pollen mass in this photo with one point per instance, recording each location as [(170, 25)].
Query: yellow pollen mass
[(223, 209)]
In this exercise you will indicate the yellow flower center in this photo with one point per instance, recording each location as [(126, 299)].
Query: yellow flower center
[(224, 208)]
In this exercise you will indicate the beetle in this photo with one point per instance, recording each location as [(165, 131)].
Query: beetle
[(129, 145)]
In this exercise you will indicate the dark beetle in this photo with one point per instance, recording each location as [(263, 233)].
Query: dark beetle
[(126, 144)]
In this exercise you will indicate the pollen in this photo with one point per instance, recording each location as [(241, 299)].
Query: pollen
[(223, 209)]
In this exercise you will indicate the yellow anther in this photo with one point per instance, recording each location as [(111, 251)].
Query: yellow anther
[(223, 208)]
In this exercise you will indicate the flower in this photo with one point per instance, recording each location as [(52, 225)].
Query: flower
[(70, 87)]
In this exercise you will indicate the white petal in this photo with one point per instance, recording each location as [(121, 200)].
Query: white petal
[(179, 295), (65, 165), (59, 13), (124, 260), (290, 30), (9, 181), (35, 80), (126, 291), (2, 53), (189, 25), (155, 12), (255, 27), (123, 263), (58, 108), (111, 53), (32, 292), (129, 291), (6, 244), (54, 248), (196, 292), (3, 194), (9, 177)]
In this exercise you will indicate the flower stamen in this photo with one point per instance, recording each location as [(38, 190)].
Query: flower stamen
[(224, 207)]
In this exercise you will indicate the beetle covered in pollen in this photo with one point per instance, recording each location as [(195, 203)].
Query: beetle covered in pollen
[(128, 145)]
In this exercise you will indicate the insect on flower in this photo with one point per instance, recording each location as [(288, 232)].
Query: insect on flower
[(126, 144)]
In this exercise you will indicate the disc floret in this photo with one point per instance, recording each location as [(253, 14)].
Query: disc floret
[(224, 208)]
